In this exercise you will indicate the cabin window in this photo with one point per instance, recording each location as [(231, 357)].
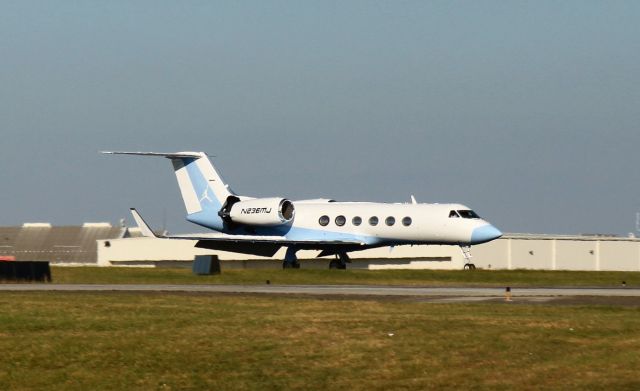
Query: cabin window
[(390, 221), (468, 214), (373, 220), (453, 214), (356, 220), (323, 221), (406, 221), (340, 220)]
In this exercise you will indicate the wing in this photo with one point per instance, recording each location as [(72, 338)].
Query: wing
[(253, 244)]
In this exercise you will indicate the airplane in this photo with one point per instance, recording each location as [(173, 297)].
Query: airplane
[(262, 226)]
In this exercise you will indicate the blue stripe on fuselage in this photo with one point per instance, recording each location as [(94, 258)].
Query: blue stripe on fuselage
[(208, 216), (306, 234)]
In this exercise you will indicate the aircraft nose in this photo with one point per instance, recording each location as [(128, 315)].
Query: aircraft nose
[(484, 234)]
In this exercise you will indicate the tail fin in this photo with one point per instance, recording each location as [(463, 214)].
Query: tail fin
[(202, 188)]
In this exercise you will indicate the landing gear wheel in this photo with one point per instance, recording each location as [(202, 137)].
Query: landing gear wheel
[(290, 259), (290, 265), (337, 264), (466, 252)]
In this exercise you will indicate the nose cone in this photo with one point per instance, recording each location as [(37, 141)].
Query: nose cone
[(484, 234)]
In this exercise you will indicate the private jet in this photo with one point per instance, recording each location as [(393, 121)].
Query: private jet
[(262, 226)]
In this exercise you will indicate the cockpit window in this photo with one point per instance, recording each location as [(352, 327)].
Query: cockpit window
[(468, 214), (453, 214)]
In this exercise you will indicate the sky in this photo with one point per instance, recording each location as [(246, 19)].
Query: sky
[(526, 111)]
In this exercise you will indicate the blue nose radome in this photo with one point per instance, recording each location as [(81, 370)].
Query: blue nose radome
[(484, 234)]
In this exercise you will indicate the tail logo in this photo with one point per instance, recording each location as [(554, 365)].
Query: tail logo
[(205, 195)]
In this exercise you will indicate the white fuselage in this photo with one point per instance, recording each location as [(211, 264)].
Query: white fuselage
[(396, 223), (333, 227)]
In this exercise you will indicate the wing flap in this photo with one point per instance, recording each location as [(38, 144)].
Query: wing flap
[(252, 244), (262, 249), (279, 240), (268, 247)]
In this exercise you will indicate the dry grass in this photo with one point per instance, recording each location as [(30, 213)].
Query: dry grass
[(81, 341)]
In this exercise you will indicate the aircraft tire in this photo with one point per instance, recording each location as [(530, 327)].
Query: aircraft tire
[(337, 264), (333, 264)]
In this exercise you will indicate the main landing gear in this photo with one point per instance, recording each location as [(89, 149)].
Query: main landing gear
[(340, 262), (290, 259), (466, 252)]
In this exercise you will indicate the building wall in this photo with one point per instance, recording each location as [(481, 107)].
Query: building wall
[(531, 254), (619, 256), (515, 251), (138, 250), (576, 255), (559, 253), (493, 255)]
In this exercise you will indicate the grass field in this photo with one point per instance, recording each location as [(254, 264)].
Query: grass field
[(123, 341), (95, 275)]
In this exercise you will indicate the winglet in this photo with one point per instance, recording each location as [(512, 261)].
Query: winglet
[(413, 199), (144, 227)]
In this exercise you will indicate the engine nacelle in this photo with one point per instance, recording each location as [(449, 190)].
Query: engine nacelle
[(262, 212)]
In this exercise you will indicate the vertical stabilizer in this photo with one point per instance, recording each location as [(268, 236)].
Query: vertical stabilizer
[(201, 187)]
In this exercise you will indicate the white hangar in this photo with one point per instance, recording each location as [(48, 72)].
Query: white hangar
[(512, 251)]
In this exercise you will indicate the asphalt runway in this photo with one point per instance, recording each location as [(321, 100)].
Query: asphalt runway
[(444, 294)]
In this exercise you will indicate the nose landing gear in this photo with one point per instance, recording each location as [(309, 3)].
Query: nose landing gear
[(466, 252)]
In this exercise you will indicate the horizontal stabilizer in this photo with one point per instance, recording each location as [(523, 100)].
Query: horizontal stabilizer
[(175, 155)]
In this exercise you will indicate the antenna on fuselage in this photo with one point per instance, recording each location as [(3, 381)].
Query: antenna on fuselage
[(413, 199)]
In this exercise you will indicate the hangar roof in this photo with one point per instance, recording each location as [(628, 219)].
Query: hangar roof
[(65, 244)]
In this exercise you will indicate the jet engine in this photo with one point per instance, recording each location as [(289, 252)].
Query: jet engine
[(262, 212)]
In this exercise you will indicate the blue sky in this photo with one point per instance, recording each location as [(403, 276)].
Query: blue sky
[(528, 112)]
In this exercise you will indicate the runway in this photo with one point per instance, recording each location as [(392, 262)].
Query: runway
[(464, 293)]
